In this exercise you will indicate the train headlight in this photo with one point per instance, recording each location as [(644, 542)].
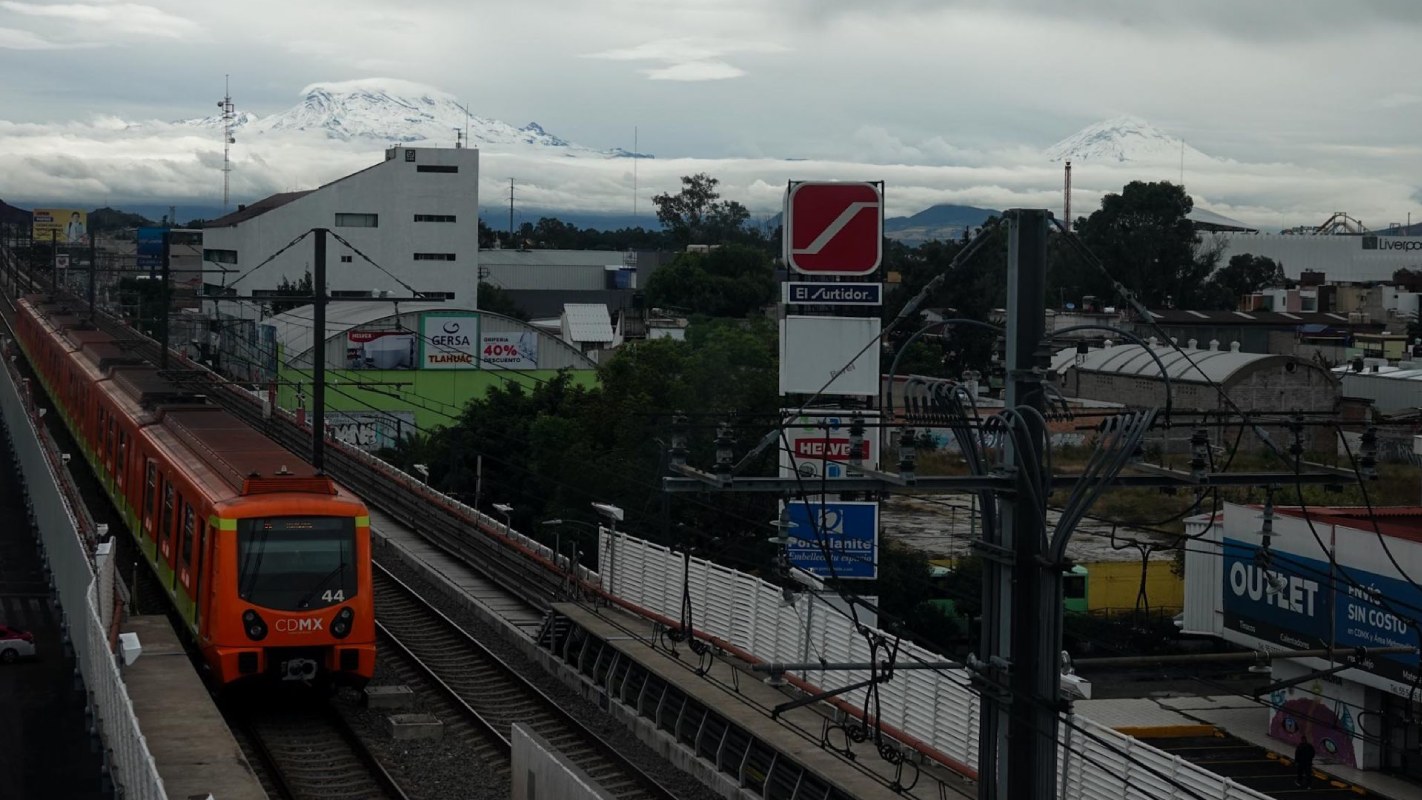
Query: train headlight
[(341, 625), (254, 625)]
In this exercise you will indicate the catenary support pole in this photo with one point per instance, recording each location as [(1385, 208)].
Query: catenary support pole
[(165, 302), (53, 261), (318, 354), (1021, 599), (93, 272)]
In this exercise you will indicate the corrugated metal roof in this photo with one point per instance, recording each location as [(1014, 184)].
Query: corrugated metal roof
[(587, 322), (1218, 366), (293, 328)]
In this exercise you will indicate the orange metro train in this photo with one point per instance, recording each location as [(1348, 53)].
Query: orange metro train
[(269, 568)]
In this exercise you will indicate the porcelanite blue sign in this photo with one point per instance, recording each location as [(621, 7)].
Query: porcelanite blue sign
[(849, 532)]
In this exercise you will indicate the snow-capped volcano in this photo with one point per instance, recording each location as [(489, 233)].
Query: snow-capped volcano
[(389, 110), (1126, 140)]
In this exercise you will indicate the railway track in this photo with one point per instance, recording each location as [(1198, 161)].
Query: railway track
[(304, 750), (493, 694)]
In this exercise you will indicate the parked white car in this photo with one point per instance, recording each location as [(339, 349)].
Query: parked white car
[(15, 644)]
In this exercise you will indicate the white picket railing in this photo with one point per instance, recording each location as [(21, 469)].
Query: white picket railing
[(935, 707), (130, 763)]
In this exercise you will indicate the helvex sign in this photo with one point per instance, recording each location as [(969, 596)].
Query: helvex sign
[(828, 449), (834, 228)]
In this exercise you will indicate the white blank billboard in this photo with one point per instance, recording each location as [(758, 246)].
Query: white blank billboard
[(815, 351)]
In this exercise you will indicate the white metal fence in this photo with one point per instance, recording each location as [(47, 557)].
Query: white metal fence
[(937, 707), (130, 763)]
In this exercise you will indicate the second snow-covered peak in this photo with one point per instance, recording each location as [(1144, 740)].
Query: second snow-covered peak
[(1123, 139)]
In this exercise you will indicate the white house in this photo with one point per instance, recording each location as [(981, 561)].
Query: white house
[(410, 222)]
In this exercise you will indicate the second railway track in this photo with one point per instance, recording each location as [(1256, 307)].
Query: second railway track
[(304, 750), (495, 694)]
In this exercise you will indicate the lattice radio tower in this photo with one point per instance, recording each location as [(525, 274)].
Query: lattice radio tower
[(1066, 198), (229, 119)]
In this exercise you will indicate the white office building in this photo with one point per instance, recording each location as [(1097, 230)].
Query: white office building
[(410, 222)]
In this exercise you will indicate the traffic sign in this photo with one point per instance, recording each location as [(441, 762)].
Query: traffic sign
[(834, 228), (849, 532), (834, 294)]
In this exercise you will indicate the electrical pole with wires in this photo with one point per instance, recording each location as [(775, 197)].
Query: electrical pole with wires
[(1019, 665)]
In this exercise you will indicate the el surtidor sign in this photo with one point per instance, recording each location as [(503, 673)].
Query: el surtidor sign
[(1301, 603)]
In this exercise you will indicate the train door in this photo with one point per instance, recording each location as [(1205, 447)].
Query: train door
[(186, 573), (165, 529), (202, 592), (150, 496)]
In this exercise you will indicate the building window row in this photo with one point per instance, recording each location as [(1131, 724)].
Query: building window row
[(434, 256), (434, 217), (357, 220), (436, 168), (220, 256)]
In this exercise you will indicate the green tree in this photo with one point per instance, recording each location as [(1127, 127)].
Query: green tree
[(694, 215), (1245, 274), (300, 290), (728, 281), (1145, 239), (496, 299)]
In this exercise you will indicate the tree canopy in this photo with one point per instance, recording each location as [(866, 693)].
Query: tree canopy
[(1145, 239), (697, 215), (1244, 274), (727, 281)]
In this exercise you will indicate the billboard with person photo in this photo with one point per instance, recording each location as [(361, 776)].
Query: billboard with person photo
[(61, 225)]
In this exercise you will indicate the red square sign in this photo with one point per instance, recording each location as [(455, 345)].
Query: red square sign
[(834, 228)]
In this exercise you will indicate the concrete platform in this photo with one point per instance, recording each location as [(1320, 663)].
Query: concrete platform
[(1239, 717), (195, 751), (745, 700)]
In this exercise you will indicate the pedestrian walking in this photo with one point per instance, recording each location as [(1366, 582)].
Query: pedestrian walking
[(1303, 762)]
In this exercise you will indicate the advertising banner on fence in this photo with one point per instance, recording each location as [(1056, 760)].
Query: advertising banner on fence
[(367, 349), (819, 353), (508, 350), (449, 341), (849, 532), (62, 225), (819, 443)]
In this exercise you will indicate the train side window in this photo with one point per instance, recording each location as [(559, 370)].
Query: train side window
[(189, 526), (165, 528), (150, 492), (1074, 587)]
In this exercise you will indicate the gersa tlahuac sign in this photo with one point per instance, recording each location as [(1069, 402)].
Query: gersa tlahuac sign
[(449, 341), (61, 225)]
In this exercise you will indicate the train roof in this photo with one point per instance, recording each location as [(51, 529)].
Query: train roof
[(223, 448), (104, 355)]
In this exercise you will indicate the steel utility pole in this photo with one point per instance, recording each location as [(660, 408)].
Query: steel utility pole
[(165, 300), (53, 261), (93, 271), (1025, 592), (318, 354)]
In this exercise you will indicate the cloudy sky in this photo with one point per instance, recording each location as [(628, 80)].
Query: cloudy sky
[(1306, 108)]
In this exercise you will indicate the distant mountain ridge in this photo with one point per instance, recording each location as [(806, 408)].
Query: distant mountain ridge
[(389, 111)]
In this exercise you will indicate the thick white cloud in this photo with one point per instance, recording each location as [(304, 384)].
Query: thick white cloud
[(966, 92)]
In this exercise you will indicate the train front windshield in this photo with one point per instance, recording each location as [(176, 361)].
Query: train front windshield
[(296, 563)]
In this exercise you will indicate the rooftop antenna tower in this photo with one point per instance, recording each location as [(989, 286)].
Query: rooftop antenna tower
[(229, 118), (1066, 197), (465, 137), (511, 210)]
